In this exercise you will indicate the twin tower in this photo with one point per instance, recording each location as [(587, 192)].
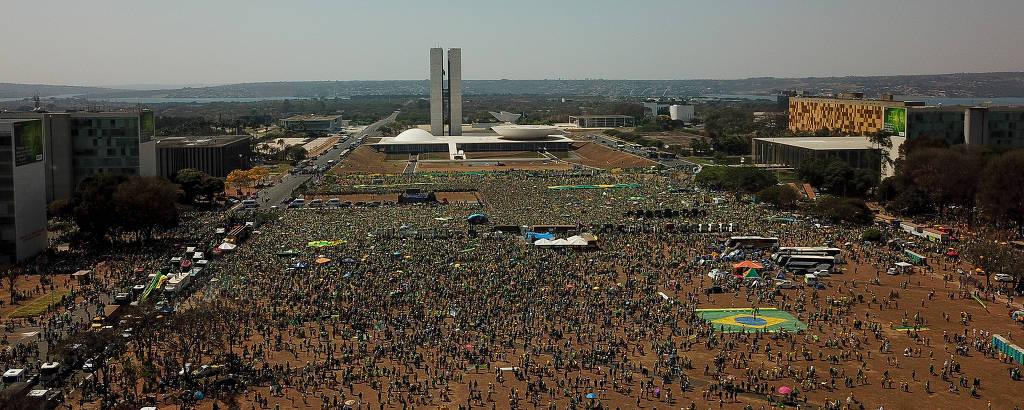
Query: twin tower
[(439, 94)]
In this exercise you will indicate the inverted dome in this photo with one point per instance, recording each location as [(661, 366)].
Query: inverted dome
[(415, 135), (525, 132)]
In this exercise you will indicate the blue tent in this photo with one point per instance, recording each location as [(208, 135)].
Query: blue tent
[(299, 265), (539, 235), (477, 219)]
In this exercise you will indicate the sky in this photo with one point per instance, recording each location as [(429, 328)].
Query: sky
[(111, 42)]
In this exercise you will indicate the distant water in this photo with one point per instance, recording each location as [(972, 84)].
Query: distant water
[(6, 99), (980, 101), (158, 100), (972, 101)]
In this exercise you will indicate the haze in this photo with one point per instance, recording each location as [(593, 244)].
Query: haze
[(205, 42)]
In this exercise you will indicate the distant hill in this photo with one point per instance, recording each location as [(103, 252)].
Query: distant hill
[(10, 90), (1009, 84)]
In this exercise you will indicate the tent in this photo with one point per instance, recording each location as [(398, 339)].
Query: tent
[(543, 242), (321, 261), (751, 274), (227, 246), (577, 241), (348, 261), (748, 265), (477, 219), (299, 265), (539, 235)]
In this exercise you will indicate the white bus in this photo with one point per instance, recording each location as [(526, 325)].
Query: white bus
[(751, 242), (810, 250), (807, 263)]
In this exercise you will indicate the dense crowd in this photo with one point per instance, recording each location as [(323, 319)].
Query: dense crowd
[(484, 320)]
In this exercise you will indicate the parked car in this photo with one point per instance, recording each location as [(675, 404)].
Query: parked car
[(785, 284), (1003, 277)]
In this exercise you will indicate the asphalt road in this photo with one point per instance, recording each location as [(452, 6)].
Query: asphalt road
[(278, 192)]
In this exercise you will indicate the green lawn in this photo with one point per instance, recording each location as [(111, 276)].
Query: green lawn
[(434, 155), (39, 305)]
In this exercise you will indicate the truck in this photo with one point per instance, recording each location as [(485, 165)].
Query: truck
[(238, 234), (177, 283)]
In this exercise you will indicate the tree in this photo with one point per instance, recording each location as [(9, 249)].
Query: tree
[(146, 203), (699, 146), (93, 203), (295, 153), (191, 182), (741, 179), (59, 209), (1001, 188), (782, 196), (841, 210), (871, 234)]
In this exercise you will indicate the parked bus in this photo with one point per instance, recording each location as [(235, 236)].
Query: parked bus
[(811, 250), (915, 257), (238, 235), (751, 242), (807, 263)]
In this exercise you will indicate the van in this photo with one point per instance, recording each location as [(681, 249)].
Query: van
[(316, 203), (810, 279), (333, 202), (250, 204), (298, 203)]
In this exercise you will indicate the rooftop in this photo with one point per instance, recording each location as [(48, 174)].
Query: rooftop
[(602, 116), (471, 139), (209, 141), (824, 143), (313, 117)]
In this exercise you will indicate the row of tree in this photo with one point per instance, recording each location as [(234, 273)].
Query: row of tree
[(959, 181), (118, 206)]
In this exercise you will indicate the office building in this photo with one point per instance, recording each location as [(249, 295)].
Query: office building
[(455, 91), (22, 193), (601, 121), (311, 122), (680, 112), (509, 138), (859, 152), (214, 155), (439, 95), (851, 113), (77, 144)]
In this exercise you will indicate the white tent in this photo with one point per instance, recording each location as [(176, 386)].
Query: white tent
[(577, 241), (543, 242), (227, 246), (559, 242)]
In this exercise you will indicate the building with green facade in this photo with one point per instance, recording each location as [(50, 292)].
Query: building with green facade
[(77, 144)]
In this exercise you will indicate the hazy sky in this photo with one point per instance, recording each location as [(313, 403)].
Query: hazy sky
[(107, 42)]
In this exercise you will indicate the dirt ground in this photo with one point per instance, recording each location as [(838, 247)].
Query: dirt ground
[(928, 350), (458, 166), (364, 160), (599, 156)]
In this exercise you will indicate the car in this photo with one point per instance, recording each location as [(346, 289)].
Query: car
[(822, 273), (288, 200), (785, 284), (91, 365), (1003, 277), (122, 298), (892, 271)]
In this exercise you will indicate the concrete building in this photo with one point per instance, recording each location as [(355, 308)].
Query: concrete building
[(436, 91), (859, 152), (455, 91), (417, 141), (214, 155), (311, 122), (680, 112), (22, 191), (601, 121), (77, 144), (450, 97), (850, 113)]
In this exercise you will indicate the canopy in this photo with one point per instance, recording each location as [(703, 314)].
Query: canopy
[(477, 219), (287, 252), (348, 260), (751, 274), (903, 264), (299, 265), (577, 241), (227, 246), (539, 235), (321, 261), (748, 265)]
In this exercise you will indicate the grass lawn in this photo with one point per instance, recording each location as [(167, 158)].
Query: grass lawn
[(396, 157), (40, 304), (434, 155)]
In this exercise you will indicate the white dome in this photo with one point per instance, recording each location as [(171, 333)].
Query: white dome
[(525, 132), (415, 135)]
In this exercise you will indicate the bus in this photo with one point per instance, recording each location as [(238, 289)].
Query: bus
[(807, 263), (915, 258), (811, 250), (751, 242), (238, 235)]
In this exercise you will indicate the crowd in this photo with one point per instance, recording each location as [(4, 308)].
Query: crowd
[(488, 321)]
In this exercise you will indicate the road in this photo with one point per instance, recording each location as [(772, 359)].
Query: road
[(280, 191)]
